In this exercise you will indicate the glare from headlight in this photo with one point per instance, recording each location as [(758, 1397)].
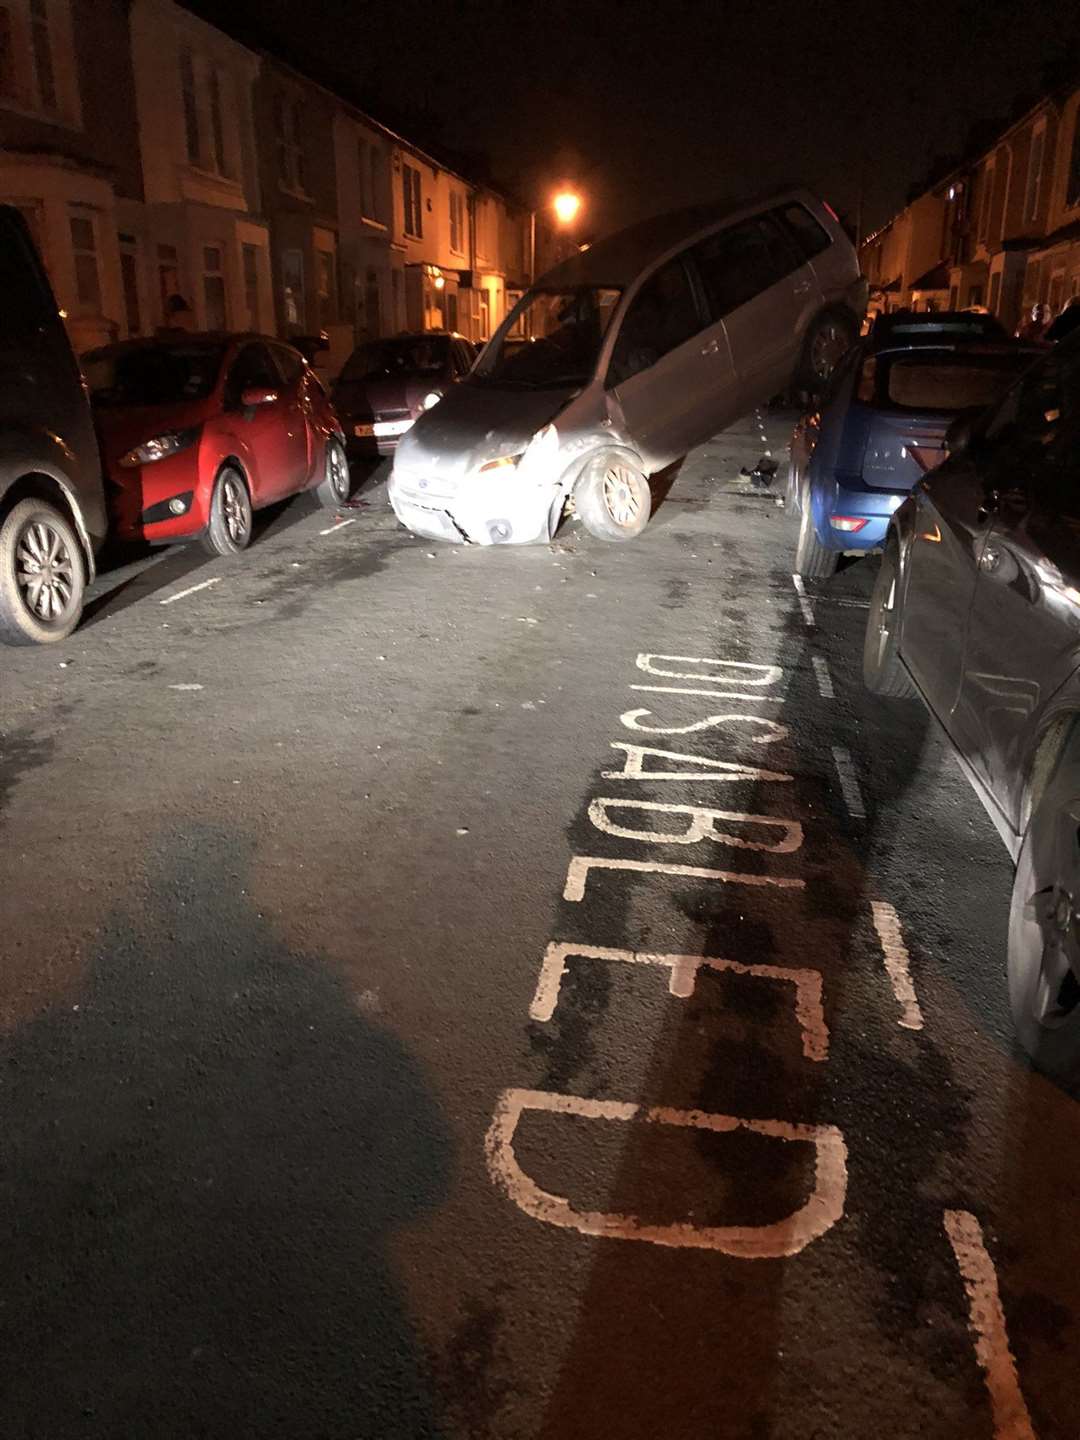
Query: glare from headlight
[(159, 448), (504, 462), (431, 398)]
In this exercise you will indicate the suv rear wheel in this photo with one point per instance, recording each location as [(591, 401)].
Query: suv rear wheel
[(42, 575), (1044, 927), (827, 341)]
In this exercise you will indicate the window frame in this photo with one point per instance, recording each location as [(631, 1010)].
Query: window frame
[(80, 215), (413, 201), (767, 218)]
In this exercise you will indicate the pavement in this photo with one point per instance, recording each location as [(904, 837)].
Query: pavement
[(515, 992)]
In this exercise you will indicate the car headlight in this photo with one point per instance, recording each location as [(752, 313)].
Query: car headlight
[(541, 449), (160, 447), (431, 398)]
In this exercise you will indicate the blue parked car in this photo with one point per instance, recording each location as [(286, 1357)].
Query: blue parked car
[(881, 425)]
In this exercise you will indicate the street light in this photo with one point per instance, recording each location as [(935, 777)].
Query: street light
[(566, 205)]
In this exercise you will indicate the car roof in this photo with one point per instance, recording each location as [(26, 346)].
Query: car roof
[(619, 259), (181, 339)]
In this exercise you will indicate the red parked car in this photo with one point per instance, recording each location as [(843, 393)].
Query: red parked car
[(199, 430)]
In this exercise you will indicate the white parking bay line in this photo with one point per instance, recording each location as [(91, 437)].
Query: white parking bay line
[(824, 679), (805, 604), (986, 1320), (897, 964), (204, 585), (339, 525), (849, 785)]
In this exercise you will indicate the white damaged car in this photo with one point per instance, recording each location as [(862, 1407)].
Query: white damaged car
[(638, 349)]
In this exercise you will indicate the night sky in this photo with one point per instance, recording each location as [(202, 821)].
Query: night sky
[(649, 104)]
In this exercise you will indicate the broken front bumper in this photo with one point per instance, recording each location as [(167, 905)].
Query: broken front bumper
[(482, 512)]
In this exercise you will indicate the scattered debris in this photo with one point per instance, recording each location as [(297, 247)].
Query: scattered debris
[(764, 472)]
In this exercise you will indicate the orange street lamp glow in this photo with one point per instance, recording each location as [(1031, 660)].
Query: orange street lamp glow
[(566, 205)]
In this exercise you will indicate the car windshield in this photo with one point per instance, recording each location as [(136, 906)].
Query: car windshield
[(152, 374), (943, 383), (419, 355), (565, 328)]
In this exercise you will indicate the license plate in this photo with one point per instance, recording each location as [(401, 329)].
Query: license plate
[(391, 427)]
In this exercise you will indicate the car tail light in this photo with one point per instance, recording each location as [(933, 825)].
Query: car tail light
[(847, 522)]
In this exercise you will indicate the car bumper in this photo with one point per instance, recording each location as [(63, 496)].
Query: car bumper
[(875, 507), (482, 512)]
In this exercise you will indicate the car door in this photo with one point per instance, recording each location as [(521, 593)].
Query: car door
[(950, 527), (1024, 631), (760, 288), (296, 442), (254, 431), (666, 366)]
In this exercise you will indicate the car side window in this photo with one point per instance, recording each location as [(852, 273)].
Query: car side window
[(251, 370), (1034, 429), (27, 305), (290, 362), (462, 359), (739, 263), (809, 237), (662, 315)]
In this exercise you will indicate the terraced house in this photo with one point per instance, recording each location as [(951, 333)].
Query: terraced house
[(1000, 231), (173, 175)]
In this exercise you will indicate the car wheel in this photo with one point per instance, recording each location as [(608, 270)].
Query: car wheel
[(42, 575), (335, 485), (828, 340), (613, 500), (1044, 928), (229, 530), (882, 671), (812, 559)]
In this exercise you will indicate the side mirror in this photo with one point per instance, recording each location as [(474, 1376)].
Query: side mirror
[(958, 435), (257, 395)]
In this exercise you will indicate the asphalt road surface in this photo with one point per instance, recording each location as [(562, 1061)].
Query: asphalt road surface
[(511, 993)]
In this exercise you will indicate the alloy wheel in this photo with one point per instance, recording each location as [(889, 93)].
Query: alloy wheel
[(1047, 959), (828, 349), (235, 510), (621, 499), (44, 570), (338, 471)]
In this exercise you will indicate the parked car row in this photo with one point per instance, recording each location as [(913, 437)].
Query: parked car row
[(175, 438)]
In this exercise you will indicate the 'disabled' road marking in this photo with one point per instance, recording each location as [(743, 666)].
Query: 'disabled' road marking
[(775, 1240), (986, 1321), (897, 964), (578, 870), (181, 594)]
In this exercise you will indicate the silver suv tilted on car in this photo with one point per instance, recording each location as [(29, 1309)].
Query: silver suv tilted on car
[(622, 359)]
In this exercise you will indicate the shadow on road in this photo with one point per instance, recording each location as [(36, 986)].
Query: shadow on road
[(207, 1153)]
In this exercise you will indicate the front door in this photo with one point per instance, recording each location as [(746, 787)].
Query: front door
[(761, 289), (259, 430), (296, 442), (1024, 632), (667, 366)]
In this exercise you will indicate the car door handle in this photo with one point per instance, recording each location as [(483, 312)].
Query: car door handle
[(712, 348), (991, 500)]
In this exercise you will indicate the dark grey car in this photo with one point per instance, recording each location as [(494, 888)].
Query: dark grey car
[(977, 607), (52, 503), (621, 360)]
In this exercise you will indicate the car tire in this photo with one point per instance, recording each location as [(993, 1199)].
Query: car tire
[(1044, 927), (829, 338), (229, 530), (883, 672), (335, 487), (812, 559), (613, 500), (37, 540)]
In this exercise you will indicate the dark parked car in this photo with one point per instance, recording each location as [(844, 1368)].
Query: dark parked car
[(904, 325), (882, 425), (200, 430), (385, 384), (977, 606), (52, 505)]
